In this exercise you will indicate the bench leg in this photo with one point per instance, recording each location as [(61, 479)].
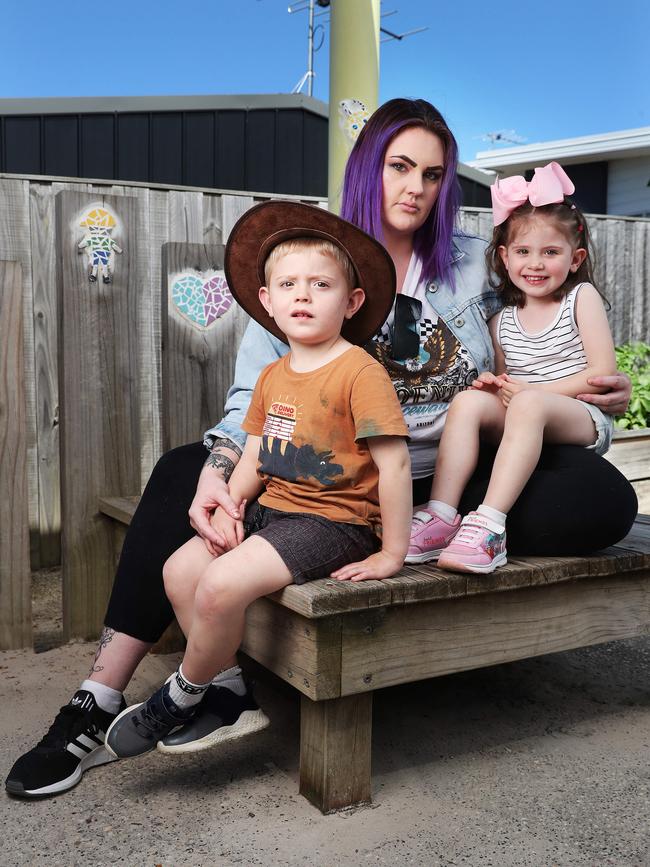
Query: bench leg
[(335, 739)]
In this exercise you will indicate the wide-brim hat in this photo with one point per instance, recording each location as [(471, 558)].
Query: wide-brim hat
[(266, 225)]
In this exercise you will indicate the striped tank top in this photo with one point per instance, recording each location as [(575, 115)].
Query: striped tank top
[(553, 353)]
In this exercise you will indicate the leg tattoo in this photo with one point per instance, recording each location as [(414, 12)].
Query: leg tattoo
[(104, 639)]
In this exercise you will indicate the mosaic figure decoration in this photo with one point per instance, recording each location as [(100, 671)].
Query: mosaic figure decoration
[(200, 299), (99, 245), (353, 116)]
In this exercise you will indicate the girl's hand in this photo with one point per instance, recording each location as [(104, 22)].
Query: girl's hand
[(510, 387), (487, 381), (383, 564), (616, 399)]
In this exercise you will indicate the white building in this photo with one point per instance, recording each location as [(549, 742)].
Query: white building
[(611, 171)]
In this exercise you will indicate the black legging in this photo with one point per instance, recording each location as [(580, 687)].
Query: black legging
[(574, 503)]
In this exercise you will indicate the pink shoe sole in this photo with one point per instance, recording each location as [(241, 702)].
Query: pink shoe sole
[(448, 561), (424, 557)]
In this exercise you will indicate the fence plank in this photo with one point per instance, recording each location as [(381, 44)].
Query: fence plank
[(232, 209), (15, 245), (15, 576), (212, 219), (100, 448), (198, 362), (41, 214)]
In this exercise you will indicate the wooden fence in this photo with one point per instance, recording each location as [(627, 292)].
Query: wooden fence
[(50, 313)]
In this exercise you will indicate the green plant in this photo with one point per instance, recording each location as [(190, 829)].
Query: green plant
[(634, 359)]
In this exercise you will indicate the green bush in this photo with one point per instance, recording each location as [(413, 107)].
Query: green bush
[(634, 359)]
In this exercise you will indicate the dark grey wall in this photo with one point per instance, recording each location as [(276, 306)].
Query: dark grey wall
[(262, 150)]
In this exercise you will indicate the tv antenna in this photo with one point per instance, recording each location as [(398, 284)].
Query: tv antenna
[(503, 135), (389, 36), (317, 33), (313, 32)]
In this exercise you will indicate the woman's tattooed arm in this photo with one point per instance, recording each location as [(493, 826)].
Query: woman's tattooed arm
[(220, 461)]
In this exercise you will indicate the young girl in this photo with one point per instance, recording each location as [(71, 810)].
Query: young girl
[(551, 336)]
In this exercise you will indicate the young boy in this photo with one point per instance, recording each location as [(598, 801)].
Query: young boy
[(326, 442)]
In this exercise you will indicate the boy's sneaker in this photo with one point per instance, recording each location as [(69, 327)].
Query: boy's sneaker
[(430, 534), (138, 729), (222, 716), (479, 546), (74, 743)]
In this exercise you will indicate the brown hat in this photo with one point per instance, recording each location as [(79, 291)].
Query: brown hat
[(266, 225)]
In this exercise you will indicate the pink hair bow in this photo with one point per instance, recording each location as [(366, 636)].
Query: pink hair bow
[(549, 185)]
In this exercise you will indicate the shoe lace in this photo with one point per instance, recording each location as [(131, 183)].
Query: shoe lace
[(68, 723), (149, 720), (470, 533)]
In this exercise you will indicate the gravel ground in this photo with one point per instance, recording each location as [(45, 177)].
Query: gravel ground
[(542, 763)]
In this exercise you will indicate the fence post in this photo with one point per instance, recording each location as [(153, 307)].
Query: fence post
[(15, 575), (100, 437)]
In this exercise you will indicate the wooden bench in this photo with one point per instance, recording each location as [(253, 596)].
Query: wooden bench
[(338, 642)]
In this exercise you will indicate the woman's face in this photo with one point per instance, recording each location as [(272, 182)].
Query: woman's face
[(413, 166)]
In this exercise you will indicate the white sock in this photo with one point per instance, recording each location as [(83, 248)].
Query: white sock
[(232, 679), (442, 510), (107, 698), (492, 514), (183, 692)]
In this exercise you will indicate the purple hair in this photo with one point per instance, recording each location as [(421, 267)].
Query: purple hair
[(363, 191)]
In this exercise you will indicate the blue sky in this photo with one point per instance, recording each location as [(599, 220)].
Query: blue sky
[(545, 69)]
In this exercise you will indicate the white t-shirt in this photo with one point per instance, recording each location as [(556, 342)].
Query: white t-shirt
[(427, 383)]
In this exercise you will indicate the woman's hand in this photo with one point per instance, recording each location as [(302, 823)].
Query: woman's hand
[(487, 381), (383, 564), (229, 528), (616, 399), (212, 492)]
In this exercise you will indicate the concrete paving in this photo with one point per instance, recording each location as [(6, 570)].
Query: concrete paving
[(542, 763)]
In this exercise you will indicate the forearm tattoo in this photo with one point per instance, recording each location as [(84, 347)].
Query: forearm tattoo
[(104, 640), (221, 462)]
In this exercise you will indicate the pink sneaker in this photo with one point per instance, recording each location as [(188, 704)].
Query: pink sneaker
[(479, 546), (429, 535)]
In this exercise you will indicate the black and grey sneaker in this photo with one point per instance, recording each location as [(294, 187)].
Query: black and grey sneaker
[(222, 716), (138, 729), (74, 743)]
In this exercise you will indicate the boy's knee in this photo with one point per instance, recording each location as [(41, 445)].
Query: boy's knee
[(215, 597)]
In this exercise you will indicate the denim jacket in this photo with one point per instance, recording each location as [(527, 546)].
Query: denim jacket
[(465, 309)]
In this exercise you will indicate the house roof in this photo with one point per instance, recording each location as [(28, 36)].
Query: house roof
[(202, 102), (623, 144)]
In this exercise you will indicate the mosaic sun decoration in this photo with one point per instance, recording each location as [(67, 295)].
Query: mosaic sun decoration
[(353, 116), (201, 300), (98, 244)]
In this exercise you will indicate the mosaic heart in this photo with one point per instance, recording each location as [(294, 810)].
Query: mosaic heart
[(202, 301)]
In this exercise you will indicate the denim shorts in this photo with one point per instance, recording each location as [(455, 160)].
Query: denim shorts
[(310, 545), (604, 425)]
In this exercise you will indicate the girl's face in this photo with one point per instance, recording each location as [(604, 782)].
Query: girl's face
[(413, 166), (539, 257)]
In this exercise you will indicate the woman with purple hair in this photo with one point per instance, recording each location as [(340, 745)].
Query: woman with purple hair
[(401, 187)]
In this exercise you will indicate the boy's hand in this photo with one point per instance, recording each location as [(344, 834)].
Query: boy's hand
[(230, 529), (487, 381), (212, 492), (380, 565)]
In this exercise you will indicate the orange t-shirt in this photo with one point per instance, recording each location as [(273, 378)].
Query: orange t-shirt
[(314, 455)]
